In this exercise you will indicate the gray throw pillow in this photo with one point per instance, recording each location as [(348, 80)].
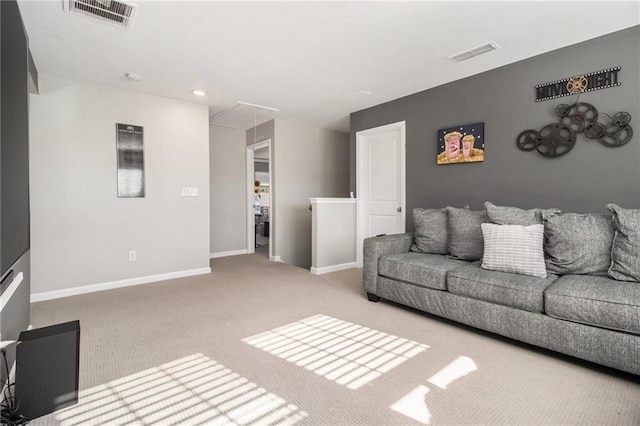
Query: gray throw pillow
[(431, 234), (625, 253), (578, 243), (514, 248), (504, 215), (465, 233)]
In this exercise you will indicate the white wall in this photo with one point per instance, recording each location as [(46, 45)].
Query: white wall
[(81, 232), (333, 234), (227, 153), (309, 162)]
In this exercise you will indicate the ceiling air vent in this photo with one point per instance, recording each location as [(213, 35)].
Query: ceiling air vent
[(485, 48), (119, 13)]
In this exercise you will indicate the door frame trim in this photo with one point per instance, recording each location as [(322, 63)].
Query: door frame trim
[(363, 184), (250, 157)]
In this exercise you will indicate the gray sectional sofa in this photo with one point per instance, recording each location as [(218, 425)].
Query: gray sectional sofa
[(572, 306)]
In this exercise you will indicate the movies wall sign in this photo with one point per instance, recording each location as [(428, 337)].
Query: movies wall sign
[(578, 84)]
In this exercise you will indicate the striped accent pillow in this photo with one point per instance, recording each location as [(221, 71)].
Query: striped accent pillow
[(514, 248)]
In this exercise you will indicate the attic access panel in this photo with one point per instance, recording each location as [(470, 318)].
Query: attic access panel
[(242, 115)]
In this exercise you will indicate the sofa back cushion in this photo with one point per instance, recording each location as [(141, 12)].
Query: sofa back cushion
[(625, 258), (465, 233), (431, 233), (505, 215), (578, 243)]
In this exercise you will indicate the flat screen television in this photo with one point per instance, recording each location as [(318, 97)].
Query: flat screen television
[(14, 143)]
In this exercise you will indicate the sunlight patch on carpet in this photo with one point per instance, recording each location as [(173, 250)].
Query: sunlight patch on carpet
[(346, 353), (414, 404), (191, 390), (460, 367)]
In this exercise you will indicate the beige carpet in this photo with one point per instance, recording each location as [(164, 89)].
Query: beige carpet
[(257, 342)]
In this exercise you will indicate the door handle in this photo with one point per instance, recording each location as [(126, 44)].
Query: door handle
[(399, 209)]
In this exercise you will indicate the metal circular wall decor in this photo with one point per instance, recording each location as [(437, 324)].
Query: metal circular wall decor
[(527, 140), (621, 119), (580, 115), (556, 139), (562, 110), (617, 133), (617, 137), (595, 130)]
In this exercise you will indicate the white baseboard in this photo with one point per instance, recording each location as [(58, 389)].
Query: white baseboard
[(332, 268), (275, 259), (56, 294), (227, 253)]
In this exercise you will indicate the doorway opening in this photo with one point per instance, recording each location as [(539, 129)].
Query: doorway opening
[(260, 199)]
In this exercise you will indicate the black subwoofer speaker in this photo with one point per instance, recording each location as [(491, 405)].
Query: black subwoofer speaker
[(47, 362)]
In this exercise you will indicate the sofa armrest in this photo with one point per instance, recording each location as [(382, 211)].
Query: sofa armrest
[(374, 247)]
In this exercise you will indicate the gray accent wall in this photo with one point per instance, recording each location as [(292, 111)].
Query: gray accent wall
[(583, 180)]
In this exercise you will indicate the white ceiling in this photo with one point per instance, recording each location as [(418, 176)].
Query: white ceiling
[(308, 59)]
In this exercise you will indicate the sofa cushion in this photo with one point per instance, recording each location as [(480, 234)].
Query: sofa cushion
[(514, 248), (595, 300), (465, 234), (625, 253), (505, 215), (430, 230), (578, 243), (513, 290), (422, 269)]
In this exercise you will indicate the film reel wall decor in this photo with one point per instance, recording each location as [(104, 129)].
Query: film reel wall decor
[(557, 139)]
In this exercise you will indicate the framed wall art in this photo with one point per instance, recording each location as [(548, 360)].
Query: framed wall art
[(461, 144), (130, 148)]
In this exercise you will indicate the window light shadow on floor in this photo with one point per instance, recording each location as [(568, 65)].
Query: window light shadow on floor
[(192, 390), (346, 353), (414, 404)]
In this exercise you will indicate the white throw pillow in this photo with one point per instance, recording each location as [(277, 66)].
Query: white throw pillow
[(514, 248)]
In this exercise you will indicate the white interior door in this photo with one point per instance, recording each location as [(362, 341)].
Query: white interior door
[(380, 182)]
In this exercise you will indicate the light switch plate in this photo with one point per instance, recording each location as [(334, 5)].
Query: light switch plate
[(189, 191)]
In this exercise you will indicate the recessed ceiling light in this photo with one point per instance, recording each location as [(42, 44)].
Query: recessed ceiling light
[(133, 76), (198, 92)]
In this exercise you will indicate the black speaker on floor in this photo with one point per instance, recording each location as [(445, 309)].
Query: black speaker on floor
[(47, 362)]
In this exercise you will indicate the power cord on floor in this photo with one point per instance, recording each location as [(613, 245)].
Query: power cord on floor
[(10, 404)]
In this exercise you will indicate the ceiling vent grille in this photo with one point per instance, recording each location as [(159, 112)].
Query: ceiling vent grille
[(119, 13), (476, 51)]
